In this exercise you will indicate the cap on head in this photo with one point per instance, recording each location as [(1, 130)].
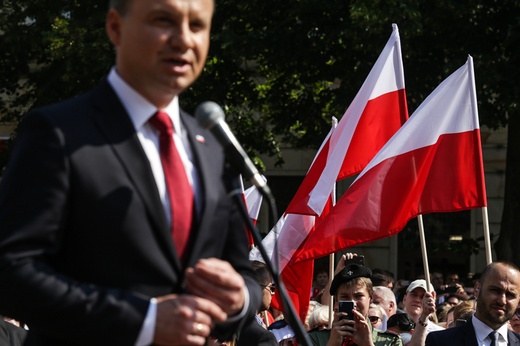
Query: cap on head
[(348, 273), (419, 283)]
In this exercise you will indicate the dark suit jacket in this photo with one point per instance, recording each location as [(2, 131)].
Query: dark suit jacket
[(84, 242), (255, 335), (462, 335), (11, 335)]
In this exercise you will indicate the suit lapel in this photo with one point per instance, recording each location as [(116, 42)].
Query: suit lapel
[(470, 337), (513, 338), (209, 180), (117, 127)]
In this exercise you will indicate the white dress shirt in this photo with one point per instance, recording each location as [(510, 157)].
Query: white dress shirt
[(482, 331), (140, 110)]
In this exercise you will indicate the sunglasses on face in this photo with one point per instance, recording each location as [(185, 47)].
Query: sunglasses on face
[(270, 287), (373, 319)]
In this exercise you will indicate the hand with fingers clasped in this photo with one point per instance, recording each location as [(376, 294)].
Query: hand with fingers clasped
[(185, 319), (217, 281), (355, 331), (215, 292)]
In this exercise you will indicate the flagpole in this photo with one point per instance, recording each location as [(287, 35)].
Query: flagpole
[(425, 258), (487, 238), (331, 275), (485, 219), (423, 250), (332, 256)]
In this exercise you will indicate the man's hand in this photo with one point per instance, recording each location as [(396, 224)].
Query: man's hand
[(341, 329), (185, 319), (358, 330), (428, 306), (217, 281)]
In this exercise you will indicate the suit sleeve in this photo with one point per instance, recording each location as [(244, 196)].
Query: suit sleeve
[(431, 340), (34, 194)]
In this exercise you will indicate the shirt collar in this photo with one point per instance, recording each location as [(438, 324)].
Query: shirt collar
[(482, 330), (139, 108)]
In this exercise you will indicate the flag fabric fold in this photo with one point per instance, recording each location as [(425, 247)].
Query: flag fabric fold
[(432, 164), (375, 114), (253, 201), (377, 111)]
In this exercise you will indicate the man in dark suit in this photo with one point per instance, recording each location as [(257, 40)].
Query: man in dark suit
[(498, 295), (87, 211)]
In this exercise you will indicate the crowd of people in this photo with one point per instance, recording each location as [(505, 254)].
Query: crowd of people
[(398, 312), (132, 238)]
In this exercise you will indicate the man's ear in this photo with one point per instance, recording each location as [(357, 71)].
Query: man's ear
[(113, 26), (476, 288)]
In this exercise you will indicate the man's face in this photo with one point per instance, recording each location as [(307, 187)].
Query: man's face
[(413, 303), (452, 279), (322, 279), (515, 321), (358, 294), (498, 296), (267, 297), (377, 298), (161, 45), (437, 280), (453, 301)]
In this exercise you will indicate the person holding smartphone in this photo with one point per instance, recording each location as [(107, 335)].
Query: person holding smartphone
[(352, 289)]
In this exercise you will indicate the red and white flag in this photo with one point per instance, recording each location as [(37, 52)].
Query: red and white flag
[(376, 113), (432, 164), (253, 201)]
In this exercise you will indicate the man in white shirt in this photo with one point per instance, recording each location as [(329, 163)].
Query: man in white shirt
[(414, 301), (90, 248)]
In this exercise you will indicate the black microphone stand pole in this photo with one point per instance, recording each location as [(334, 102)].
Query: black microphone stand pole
[(289, 311)]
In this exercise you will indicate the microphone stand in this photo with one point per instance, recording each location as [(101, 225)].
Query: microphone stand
[(235, 192)]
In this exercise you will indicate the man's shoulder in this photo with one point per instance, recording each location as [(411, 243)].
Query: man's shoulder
[(254, 332), (453, 335), (381, 338), (72, 111)]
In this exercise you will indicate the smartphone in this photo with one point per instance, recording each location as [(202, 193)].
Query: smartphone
[(451, 289), (359, 259), (346, 306)]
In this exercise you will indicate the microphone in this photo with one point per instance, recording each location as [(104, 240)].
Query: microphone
[(211, 117)]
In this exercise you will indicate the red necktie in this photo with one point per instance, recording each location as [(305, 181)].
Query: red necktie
[(177, 183)]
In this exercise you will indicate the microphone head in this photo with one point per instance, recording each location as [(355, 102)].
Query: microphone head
[(208, 114)]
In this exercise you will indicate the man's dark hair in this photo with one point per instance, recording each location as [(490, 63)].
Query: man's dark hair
[(384, 272), (120, 6), (379, 279), (402, 321), (262, 273)]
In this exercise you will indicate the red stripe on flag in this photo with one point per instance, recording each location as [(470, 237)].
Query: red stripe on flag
[(446, 176), (381, 118)]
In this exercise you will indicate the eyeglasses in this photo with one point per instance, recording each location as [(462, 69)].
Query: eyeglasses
[(270, 287), (373, 319)]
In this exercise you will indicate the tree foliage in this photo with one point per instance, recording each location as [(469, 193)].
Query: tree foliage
[(280, 69)]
